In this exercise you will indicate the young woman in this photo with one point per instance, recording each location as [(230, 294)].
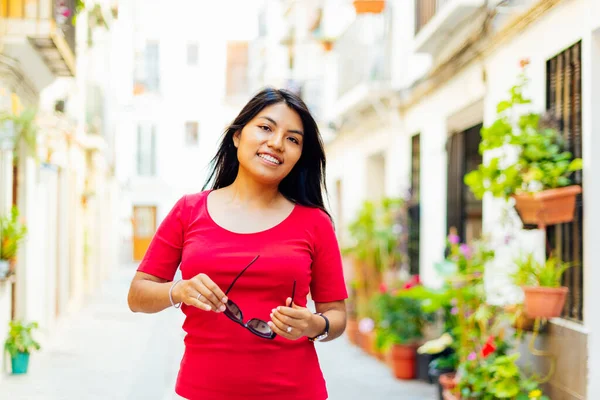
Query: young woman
[(250, 251)]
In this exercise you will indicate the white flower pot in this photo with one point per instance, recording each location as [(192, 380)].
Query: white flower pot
[(3, 268)]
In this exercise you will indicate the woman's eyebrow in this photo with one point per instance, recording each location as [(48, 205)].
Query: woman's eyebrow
[(289, 130)]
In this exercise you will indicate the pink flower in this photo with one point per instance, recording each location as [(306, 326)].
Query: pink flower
[(412, 282), (466, 251), (454, 310), (472, 356), (383, 288), (366, 325), (453, 239), (66, 13)]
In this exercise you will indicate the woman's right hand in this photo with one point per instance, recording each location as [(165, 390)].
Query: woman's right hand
[(211, 296)]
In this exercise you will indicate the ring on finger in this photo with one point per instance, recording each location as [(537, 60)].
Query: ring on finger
[(289, 329), (198, 297)]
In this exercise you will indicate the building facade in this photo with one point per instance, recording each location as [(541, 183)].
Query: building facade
[(405, 92)]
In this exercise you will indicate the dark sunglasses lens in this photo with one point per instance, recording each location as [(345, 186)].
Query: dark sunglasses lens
[(233, 311), (260, 327)]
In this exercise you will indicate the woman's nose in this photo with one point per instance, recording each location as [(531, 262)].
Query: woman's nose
[(276, 141)]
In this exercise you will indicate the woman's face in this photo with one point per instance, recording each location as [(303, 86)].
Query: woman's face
[(270, 144)]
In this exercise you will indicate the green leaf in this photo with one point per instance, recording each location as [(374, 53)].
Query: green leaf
[(576, 165)]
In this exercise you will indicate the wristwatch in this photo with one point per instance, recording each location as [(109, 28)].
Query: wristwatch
[(325, 333)]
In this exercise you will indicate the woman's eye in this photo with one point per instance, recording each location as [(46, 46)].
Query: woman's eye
[(265, 128), (294, 140)]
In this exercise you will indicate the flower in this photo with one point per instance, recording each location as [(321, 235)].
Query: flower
[(488, 348), (472, 356), (534, 394), (453, 239), (383, 288), (454, 311), (366, 325), (524, 62), (466, 251), (415, 280)]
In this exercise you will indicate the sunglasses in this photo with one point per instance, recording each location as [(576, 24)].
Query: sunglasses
[(257, 326)]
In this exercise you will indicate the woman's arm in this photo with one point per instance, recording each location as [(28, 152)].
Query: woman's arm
[(336, 314), (293, 322), (150, 294)]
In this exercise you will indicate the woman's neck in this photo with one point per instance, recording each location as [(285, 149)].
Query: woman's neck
[(248, 192)]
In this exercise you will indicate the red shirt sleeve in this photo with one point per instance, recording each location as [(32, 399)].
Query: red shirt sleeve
[(327, 282), (164, 253)]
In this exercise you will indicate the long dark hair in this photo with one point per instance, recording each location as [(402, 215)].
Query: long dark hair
[(305, 184)]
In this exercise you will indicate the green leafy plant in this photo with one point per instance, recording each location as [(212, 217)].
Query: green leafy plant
[(540, 161), (497, 376), (399, 320), (549, 273), (12, 232), (375, 248), (20, 339), (25, 130)]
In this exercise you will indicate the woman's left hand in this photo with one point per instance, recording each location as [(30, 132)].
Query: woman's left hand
[(293, 322)]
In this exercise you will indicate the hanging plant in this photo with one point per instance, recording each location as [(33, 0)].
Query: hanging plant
[(530, 163)]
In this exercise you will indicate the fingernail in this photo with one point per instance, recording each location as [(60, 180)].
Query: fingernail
[(224, 300), (222, 308), (278, 308), (273, 310), (271, 315)]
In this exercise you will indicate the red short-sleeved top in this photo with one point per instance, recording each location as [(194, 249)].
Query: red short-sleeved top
[(223, 360)]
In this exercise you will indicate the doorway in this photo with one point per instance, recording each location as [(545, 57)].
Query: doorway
[(144, 227), (464, 211)]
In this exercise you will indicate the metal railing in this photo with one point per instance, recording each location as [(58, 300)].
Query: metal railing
[(363, 52), (40, 11), (425, 10)]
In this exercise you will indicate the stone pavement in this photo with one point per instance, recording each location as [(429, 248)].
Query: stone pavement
[(106, 352)]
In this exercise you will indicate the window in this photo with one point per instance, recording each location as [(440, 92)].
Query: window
[(147, 69), (414, 218), (563, 102), (191, 134), (237, 68), (192, 54), (146, 150)]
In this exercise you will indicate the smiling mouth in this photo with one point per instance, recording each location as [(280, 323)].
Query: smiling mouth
[(270, 159)]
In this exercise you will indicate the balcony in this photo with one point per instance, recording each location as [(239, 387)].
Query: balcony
[(436, 19), (40, 29), (363, 55)]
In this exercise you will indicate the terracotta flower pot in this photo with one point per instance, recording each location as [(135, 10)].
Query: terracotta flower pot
[(548, 207), (402, 359), (369, 6), (544, 302), (352, 330)]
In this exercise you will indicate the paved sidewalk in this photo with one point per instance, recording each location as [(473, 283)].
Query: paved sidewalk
[(106, 352)]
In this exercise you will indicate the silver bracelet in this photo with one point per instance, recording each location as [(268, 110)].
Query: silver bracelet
[(171, 295)]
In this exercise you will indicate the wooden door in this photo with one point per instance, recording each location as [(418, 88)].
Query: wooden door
[(144, 226)]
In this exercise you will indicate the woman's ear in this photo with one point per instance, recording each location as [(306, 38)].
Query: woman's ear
[(236, 138)]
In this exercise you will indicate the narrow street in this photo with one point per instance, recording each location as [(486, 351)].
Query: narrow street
[(107, 352)]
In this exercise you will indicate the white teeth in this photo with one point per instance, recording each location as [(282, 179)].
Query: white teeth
[(269, 158)]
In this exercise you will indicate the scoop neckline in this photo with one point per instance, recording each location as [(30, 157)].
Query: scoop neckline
[(280, 223)]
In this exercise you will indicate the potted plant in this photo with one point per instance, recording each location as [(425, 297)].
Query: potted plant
[(25, 130), (369, 6), (400, 331), (20, 344), (495, 374), (529, 163), (542, 285), (12, 232)]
